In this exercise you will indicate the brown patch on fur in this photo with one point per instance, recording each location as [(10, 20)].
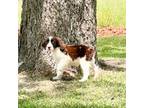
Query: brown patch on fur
[(76, 51), (45, 44), (59, 43), (89, 54)]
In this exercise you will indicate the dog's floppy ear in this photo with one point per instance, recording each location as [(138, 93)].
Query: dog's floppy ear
[(45, 44), (59, 43)]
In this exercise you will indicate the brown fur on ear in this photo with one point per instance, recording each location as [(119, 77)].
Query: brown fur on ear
[(44, 44), (60, 43)]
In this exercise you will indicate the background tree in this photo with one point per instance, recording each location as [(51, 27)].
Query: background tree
[(72, 20)]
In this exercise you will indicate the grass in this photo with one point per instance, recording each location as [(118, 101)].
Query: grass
[(111, 13), (108, 91), (112, 47)]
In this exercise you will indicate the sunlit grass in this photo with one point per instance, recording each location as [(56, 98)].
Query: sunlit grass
[(111, 47), (111, 13)]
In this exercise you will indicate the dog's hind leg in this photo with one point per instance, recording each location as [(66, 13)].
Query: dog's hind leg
[(96, 69), (85, 69)]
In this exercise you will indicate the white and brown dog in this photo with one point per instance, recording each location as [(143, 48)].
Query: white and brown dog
[(66, 55)]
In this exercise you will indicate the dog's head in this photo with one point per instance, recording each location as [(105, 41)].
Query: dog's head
[(52, 43)]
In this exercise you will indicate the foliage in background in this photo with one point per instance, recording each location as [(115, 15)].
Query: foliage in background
[(111, 13), (19, 12)]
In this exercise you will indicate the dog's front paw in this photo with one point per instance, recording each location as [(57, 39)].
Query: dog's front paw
[(82, 80)]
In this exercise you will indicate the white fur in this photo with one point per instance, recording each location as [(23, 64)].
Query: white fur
[(63, 61)]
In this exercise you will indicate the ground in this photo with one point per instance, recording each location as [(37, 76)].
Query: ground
[(108, 91), (110, 31)]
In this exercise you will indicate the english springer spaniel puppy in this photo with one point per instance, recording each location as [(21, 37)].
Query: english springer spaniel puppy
[(76, 55)]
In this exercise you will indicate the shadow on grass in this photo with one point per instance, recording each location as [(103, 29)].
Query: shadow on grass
[(110, 67)]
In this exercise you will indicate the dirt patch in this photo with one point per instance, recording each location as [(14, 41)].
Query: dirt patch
[(111, 31)]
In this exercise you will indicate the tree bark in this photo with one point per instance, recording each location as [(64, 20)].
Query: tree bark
[(72, 20)]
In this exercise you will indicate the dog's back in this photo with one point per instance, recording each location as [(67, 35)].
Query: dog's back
[(80, 51)]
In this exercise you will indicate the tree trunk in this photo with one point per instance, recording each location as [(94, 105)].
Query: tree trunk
[(72, 20)]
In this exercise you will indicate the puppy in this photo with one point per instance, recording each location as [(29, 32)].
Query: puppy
[(66, 55)]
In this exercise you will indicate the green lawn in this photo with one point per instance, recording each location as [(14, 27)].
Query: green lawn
[(108, 91), (112, 47)]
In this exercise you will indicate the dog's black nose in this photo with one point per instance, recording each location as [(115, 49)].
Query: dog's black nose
[(49, 48)]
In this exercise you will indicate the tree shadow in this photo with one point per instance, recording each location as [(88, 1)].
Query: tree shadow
[(110, 67)]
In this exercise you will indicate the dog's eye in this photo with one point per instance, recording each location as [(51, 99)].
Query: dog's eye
[(47, 40), (52, 41)]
